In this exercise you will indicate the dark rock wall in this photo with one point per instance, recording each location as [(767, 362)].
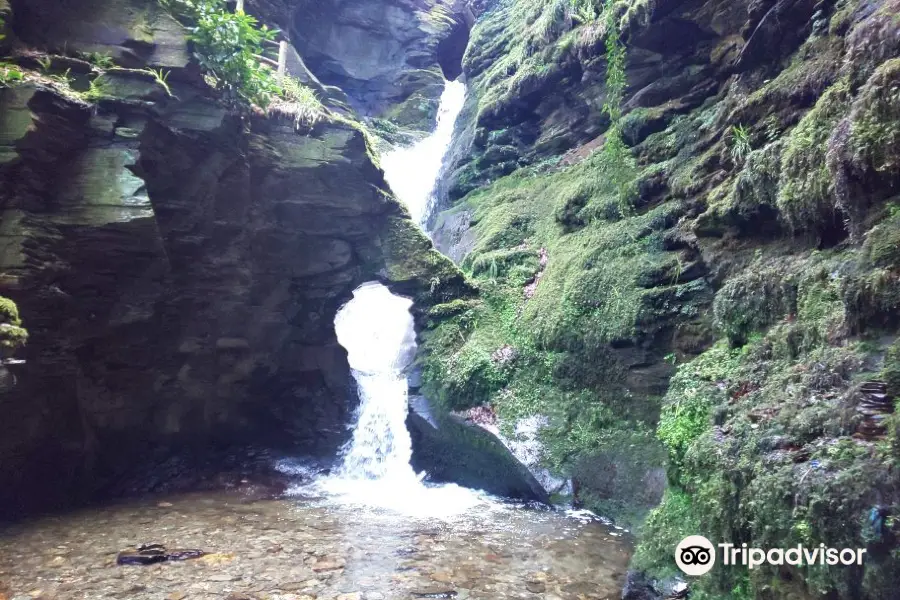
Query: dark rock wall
[(179, 267), (390, 57)]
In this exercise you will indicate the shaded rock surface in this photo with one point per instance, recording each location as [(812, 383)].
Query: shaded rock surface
[(454, 451), (391, 58), (181, 267)]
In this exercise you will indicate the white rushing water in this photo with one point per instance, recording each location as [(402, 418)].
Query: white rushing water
[(412, 172), (377, 330)]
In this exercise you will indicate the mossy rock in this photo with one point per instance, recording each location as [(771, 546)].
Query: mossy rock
[(891, 370), (875, 120), (413, 266), (806, 196), (9, 312), (12, 335), (882, 245), (465, 454)]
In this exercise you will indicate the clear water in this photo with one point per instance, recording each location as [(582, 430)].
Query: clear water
[(412, 172), (301, 549)]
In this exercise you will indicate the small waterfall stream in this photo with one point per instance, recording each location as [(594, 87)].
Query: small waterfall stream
[(413, 171), (377, 330)]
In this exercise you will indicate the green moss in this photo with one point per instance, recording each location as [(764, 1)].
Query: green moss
[(12, 335), (668, 524), (882, 245), (754, 191), (806, 197), (891, 370), (693, 392), (759, 438), (505, 47), (452, 308), (412, 262), (875, 121), (9, 312), (756, 298), (554, 296), (811, 71)]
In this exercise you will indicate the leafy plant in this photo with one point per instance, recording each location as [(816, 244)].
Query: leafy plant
[(98, 89), (584, 11), (299, 101), (10, 73), (100, 60), (65, 79), (740, 144), (161, 78), (228, 46), (45, 62), (622, 163)]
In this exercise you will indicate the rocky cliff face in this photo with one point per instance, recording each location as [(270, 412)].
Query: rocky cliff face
[(743, 242), (390, 58), (178, 264)]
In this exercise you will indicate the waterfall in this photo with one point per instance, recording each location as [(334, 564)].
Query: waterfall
[(413, 171), (377, 330)]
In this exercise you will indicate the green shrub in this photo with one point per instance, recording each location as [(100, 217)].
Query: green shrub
[(882, 245), (753, 300), (741, 146), (227, 45), (891, 370)]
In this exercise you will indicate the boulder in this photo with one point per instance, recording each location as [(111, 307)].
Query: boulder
[(455, 451)]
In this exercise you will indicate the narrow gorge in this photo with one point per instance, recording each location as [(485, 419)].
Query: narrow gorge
[(488, 299)]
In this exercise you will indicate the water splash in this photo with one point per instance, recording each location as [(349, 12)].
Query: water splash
[(412, 172), (377, 330)]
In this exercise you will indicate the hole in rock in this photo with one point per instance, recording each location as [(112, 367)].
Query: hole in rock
[(452, 48), (833, 231)]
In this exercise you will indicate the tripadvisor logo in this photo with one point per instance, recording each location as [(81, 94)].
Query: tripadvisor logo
[(696, 556)]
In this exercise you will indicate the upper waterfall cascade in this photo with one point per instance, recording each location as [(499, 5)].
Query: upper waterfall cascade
[(413, 171)]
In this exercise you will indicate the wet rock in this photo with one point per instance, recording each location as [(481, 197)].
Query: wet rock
[(149, 554), (639, 587), (217, 558), (470, 456), (436, 593), (328, 564)]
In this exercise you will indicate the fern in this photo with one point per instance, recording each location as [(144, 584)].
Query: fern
[(161, 78), (740, 144), (620, 160)]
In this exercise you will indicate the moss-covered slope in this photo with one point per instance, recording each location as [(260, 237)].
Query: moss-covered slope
[(754, 256)]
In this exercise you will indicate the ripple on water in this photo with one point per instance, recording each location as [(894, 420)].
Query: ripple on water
[(295, 549)]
